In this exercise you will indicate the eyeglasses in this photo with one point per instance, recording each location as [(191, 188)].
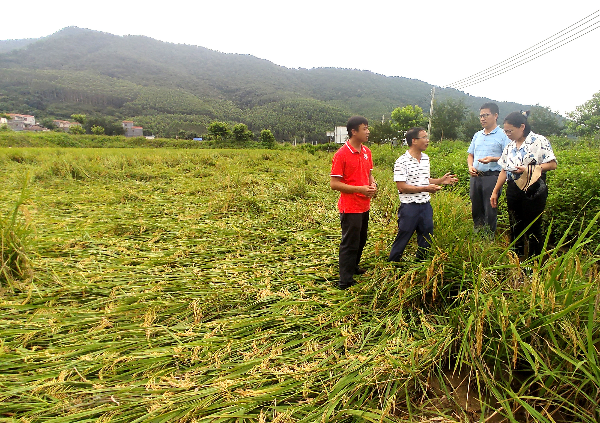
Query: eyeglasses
[(484, 115)]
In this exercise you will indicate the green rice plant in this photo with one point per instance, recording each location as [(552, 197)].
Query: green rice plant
[(535, 347), (14, 237), (183, 285)]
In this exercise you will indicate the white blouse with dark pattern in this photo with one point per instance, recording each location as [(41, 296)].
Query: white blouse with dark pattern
[(535, 149)]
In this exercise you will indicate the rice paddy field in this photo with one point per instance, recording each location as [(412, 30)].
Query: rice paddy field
[(189, 285)]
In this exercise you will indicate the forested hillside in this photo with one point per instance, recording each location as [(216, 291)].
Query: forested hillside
[(168, 87)]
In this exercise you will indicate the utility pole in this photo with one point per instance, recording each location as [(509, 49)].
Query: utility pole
[(431, 110)]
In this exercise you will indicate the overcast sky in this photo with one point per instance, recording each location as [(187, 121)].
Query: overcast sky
[(436, 41)]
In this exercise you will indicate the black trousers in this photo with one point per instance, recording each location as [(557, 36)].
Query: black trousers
[(354, 238), (480, 191), (413, 217), (521, 212)]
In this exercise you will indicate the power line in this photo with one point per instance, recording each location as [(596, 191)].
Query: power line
[(556, 41), (507, 67), (534, 47)]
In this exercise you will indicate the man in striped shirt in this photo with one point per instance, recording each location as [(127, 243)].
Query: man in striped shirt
[(412, 177)]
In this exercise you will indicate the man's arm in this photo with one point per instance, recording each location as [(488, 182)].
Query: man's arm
[(472, 170), (447, 179), (495, 193), (404, 188), (489, 159), (367, 190)]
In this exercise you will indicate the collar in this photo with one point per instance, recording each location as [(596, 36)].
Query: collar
[(352, 150), (407, 153), (529, 139), (493, 131)]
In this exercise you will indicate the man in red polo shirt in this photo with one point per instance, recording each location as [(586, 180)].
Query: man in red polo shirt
[(351, 175)]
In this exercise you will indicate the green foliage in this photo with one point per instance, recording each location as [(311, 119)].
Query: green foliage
[(78, 130), (97, 130), (79, 118), (544, 121), (470, 126), (448, 118), (167, 88), (585, 120), (267, 139), (382, 133), (219, 130), (111, 126), (241, 133), (15, 234), (404, 118)]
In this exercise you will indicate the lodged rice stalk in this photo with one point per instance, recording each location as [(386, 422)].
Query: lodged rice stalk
[(199, 286), (14, 237)]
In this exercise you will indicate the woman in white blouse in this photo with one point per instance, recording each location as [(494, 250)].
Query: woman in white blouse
[(525, 151)]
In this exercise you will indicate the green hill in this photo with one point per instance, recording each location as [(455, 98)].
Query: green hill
[(166, 87)]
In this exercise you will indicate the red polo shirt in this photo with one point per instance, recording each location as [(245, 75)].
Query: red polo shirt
[(353, 167)]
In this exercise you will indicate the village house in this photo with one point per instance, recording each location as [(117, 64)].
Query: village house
[(65, 125), (19, 122), (132, 131)]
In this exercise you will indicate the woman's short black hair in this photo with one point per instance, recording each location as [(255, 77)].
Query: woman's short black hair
[(517, 119), (354, 122)]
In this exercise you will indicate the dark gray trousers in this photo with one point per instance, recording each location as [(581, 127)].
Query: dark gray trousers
[(354, 238), (413, 217), (480, 191)]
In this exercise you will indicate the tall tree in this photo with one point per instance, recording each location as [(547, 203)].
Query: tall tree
[(219, 130), (241, 133), (80, 118), (544, 121), (382, 132), (470, 126), (585, 120), (447, 119), (78, 130), (404, 118), (97, 130), (267, 139)]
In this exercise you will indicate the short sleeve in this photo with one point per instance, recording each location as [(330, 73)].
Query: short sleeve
[(337, 166), (400, 171)]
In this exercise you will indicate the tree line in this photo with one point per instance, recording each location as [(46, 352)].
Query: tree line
[(452, 119)]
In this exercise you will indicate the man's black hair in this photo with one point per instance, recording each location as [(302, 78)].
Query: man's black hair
[(492, 107), (413, 133), (354, 122)]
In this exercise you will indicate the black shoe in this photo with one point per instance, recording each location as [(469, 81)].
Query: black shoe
[(346, 285), (360, 271)]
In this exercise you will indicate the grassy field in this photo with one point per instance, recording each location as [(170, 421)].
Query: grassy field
[(199, 285)]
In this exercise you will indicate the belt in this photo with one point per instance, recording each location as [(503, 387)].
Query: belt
[(489, 173)]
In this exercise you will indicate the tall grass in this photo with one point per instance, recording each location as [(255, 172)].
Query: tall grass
[(176, 285), (14, 236)]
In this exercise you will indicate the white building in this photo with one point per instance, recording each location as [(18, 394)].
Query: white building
[(340, 134), (65, 125), (26, 119), (132, 131)]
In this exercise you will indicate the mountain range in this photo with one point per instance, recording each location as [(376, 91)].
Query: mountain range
[(168, 87)]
